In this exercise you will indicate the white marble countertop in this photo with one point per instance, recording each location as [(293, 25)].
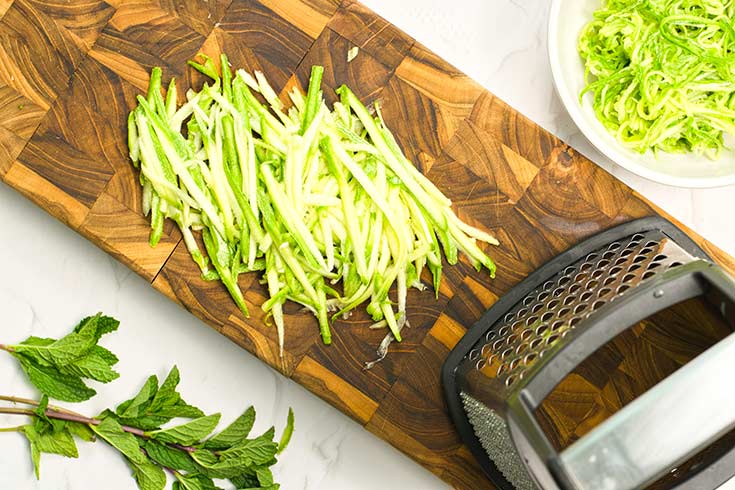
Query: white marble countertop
[(52, 277)]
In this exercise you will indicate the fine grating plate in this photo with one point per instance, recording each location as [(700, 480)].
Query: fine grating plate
[(566, 19)]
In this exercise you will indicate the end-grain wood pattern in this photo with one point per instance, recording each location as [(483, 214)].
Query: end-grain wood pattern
[(69, 73)]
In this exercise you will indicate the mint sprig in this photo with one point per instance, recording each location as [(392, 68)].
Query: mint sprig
[(145, 429), (58, 367)]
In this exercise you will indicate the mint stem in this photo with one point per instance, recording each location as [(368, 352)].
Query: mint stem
[(61, 414), (11, 429), (6, 348), (27, 401)]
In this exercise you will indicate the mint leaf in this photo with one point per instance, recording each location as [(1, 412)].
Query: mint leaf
[(233, 433), (247, 480), (204, 457), (265, 476), (148, 476), (256, 451), (169, 457), (168, 401), (188, 433), (287, 432), (196, 482), (80, 430), (104, 324), (137, 405), (66, 349), (94, 365), (56, 385), (111, 431), (40, 410), (55, 442)]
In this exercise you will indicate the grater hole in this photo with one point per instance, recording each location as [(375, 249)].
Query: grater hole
[(548, 285), (660, 257), (526, 334), (564, 312), (514, 363), (626, 253), (508, 317), (564, 280), (620, 261), (648, 274), (653, 265), (597, 273), (542, 329), (628, 277), (486, 349), (574, 321), (543, 295), (480, 364), (675, 264), (651, 243), (531, 320), (558, 292), (597, 304), (639, 259), (580, 308), (580, 277), (593, 284), (592, 256), (622, 288), (501, 369), (568, 271), (522, 347), (574, 288), (522, 312), (586, 296), (646, 250), (510, 380), (637, 237), (490, 335), (603, 263), (603, 292), (527, 300), (608, 281), (565, 333), (585, 267), (609, 255), (553, 304), (498, 344), (504, 330), (634, 267), (569, 300), (616, 270), (556, 325), (537, 307), (511, 338), (516, 325), (614, 246), (547, 316), (552, 338), (529, 358), (535, 343), (506, 353), (474, 354)]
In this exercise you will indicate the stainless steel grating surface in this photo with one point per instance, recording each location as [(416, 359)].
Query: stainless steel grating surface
[(547, 314), (493, 434)]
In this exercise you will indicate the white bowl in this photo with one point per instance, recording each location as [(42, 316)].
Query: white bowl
[(566, 20)]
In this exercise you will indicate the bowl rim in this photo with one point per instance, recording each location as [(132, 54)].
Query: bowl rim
[(574, 109)]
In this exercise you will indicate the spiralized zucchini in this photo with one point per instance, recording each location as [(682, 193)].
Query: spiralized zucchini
[(662, 73)]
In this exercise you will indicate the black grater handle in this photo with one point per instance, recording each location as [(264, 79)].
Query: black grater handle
[(678, 284)]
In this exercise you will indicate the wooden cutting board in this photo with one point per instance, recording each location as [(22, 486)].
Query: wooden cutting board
[(69, 74)]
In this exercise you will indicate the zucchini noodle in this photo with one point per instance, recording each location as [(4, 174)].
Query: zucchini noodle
[(662, 73)]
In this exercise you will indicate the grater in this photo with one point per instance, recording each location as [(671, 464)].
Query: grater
[(501, 371)]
